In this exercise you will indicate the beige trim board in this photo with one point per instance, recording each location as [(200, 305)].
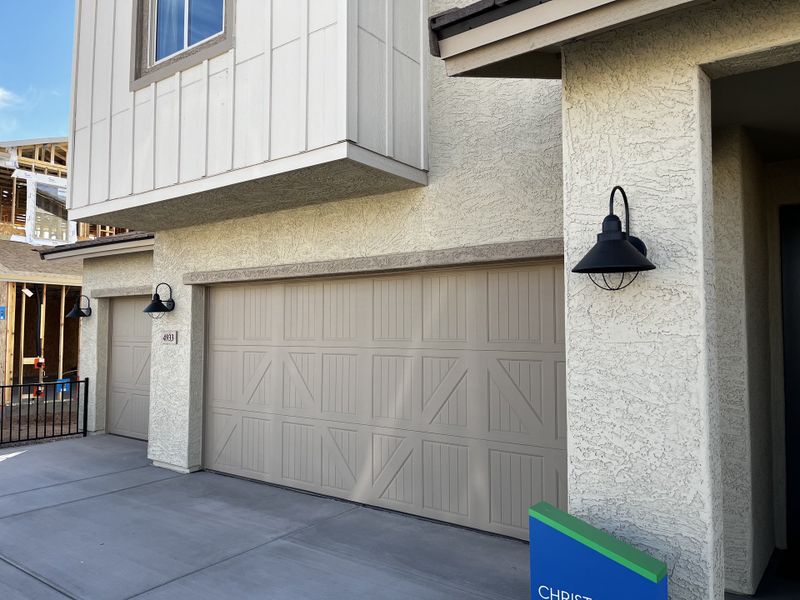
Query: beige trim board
[(142, 290), (551, 248)]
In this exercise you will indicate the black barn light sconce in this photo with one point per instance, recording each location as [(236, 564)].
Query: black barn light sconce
[(79, 312), (157, 306), (618, 257)]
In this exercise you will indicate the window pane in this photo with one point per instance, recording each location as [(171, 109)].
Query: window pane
[(169, 27), (51, 213), (205, 19)]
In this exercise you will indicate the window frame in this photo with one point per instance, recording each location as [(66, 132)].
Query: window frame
[(153, 26), (145, 70)]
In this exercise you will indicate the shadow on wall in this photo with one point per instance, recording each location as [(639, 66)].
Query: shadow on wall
[(781, 581)]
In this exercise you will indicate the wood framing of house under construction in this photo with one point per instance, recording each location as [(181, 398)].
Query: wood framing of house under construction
[(33, 179), (58, 339), (34, 294)]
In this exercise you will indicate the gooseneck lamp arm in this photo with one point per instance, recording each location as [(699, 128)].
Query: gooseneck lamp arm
[(618, 188), (169, 287)]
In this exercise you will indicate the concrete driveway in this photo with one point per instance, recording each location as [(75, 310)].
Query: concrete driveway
[(89, 518)]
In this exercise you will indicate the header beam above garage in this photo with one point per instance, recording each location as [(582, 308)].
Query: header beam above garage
[(523, 38)]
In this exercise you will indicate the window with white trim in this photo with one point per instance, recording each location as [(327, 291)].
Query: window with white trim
[(182, 24)]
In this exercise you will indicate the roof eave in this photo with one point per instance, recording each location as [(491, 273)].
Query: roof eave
[(111, 248), (527, 43)]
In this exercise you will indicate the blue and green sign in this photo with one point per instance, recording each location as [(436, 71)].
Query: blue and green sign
[(571, 560)]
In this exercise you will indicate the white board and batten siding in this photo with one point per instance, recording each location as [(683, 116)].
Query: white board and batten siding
[(302, 75), (439, 393)]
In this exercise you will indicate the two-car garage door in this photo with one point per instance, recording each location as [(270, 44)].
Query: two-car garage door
[(438, 393)]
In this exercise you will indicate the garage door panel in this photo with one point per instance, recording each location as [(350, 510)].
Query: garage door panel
[(438, 393), (461, 480), (256, 379), (302, 318), (128, 400), (226, 316), (520, 477), (298, 452), (477, 394), (342, 374), (522, 306), (445, 477), (393, 310), (392, 388), (128, 413), (340, 458), (301, 381), (444, 307), (120, 369), (340, 307), (243, 377), (224, 440), (256, 442), (445, 390)]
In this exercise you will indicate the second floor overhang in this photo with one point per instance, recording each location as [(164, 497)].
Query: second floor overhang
[(335, 172)]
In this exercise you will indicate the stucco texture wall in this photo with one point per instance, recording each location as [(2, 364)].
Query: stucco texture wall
[(495, 176), (643, 408), (743, 358), (124, 273)]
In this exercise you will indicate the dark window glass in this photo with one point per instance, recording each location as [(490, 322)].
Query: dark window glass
[(169, 27), (205, 19)]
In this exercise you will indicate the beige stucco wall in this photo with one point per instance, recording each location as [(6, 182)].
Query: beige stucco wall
[(743, 359), (495, 176), (124, 273), (643, 406)]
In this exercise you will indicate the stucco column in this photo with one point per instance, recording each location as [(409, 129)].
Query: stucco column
[(93, 362), (743, 359), (176, 375), (641, 389)]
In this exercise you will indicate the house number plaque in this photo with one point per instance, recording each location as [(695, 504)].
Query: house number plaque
[(169, 337)]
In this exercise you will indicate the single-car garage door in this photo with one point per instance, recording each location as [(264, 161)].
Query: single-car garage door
[(129, 368), (438, 393)]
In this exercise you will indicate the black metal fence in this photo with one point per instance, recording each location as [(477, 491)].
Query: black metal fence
[(38, 411)]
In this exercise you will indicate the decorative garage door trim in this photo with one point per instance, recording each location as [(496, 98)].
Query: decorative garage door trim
[(128, 401), (546, 249), (436, 392)]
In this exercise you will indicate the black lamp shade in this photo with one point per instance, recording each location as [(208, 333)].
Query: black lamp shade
[(615, 252), (77, 312), (157, 306)]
